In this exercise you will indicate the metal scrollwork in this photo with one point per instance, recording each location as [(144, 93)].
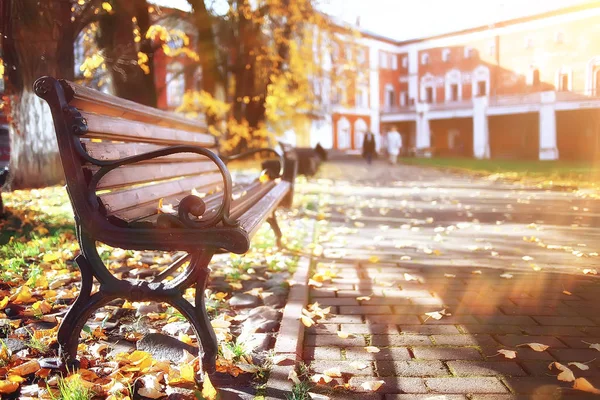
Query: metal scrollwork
[(75, 120)]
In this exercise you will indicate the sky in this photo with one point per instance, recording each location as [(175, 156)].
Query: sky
[(412, 19)]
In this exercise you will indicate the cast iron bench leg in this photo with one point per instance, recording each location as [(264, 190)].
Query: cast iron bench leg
[(111, 288), (272, 220)]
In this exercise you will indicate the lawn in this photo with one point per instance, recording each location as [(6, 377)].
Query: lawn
[(562, 173)]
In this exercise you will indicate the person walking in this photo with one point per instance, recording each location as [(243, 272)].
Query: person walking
[(394, 144), (368, 146)]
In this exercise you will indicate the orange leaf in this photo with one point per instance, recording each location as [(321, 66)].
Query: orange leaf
[(308, 322), (508, 353), (7, 387), (583, 385), (535, 346), (321, 378), (372, 349), (372, 386)]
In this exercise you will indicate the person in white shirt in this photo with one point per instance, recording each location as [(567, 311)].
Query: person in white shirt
[(394, 144)]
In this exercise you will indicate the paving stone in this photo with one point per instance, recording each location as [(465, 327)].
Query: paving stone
[(543, 388), (365, 310), (580, 355), (360, 293), (491, 329), (523, 353), (345, 367), (322, 353), (370, 328), (521, 320), (485, 368), (392, 384), (429, 329), (393, 319), (554, 330), (327, 329), (463, 340), (451, 320), (447, 353), (424, 397), (338, 301), (334, 340), (578, 342), (515, 340), (564, 321), (411, 368), (343, 319), (541, 311), (400, 340), (390, 354), (466, 385), (511, 397), (386, 301), (320, 292)]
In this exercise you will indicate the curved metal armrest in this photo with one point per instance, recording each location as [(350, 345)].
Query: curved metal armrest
[(256, 151), (187, 204)]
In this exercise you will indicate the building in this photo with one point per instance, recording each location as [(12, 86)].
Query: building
[(527, 88)]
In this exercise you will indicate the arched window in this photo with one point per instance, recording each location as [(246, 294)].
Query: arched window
[(481, 81), (343, 133), (175, 84), (360, 128), (428, 94), (389, 99), (453, 85)]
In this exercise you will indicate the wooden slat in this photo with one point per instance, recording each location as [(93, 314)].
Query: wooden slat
[(120, 129), (137, 197), (91, 100), (252, 219), (140, 173), (114, 151)]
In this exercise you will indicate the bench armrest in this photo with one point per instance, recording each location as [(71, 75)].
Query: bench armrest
[(190, 204), (248, 153)]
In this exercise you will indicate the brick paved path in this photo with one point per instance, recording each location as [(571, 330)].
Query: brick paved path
[(507, 263)]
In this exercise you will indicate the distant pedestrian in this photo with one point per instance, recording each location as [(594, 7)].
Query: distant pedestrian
[(369, 146), (394, 144)]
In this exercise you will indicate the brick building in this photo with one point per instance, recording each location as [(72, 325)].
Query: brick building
[(527, 88)]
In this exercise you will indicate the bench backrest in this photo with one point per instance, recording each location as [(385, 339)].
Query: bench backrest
[(109, 128)]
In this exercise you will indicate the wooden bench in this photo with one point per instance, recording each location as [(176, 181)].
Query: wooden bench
[(120, 159)]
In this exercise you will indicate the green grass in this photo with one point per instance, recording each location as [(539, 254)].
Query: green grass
[(71, 389), (573, 172)]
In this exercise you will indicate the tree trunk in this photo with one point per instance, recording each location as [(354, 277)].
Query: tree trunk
[(116, 39), (37, 40)]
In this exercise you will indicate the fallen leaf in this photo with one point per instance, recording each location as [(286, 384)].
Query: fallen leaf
[(438, 314), (152, 388), (567, 292), (585, 386), (409, 277), (450, 275), (373, 259), (372, 349), (372, 386), (306, 321), (276, 360), (594, 345), (293, 376), (508, 353), (249, 368), (363, 298), (186, 371), (566, 375), (333, 372), (7, 387), (581, 366), (476, 272), (343, 335), (27, 368), (208, 390), (527, 258), (320, 378), (535, 346), (359, 365), (506, 275), (590, 271)]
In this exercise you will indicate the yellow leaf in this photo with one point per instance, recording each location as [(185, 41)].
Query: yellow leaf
[(49, 257), (359, 365), (343, 335), (308, 322), (208, 390), (185, 338), (320, 378), (477, 272), (508, 353), (333, 372), (581, 366), (187, 373), (4, 302), (594, 346), (372, 349), (293, 376), (450, 275), (16, 378), (536, 346), (566, 375), (106, 6), (373, 259), (567, 292), (372, 386), (363, 298), (24, 295), (7, 387), (27, 368), (409, 277), (585, 386)]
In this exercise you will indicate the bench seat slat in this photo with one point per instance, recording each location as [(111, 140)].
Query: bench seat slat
[(148, 196), (253, 218), (86, 99), (141, 173), (107, 150), (120, 129)]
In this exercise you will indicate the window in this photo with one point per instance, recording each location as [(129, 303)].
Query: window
[(468, 52), (390, 98), (405, 62), (559, 38), (446, 55), (383, 60), (481, 88), (348, 51), (361, 57), (454, 92), (563, 82), (492, 50), (404, 101), (424, 59), (175, 84), (428, 95), (362, 100), (394, 62)]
